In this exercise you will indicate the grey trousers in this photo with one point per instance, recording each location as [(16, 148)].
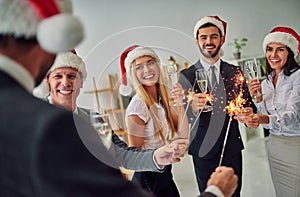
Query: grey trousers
[(284, 161)]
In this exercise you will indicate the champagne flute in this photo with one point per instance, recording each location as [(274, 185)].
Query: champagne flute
[(251, 71), (202, 81), (100, 122), (173, 79)]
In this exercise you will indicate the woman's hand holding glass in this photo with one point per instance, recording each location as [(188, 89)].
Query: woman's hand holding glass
[(251, 71), (255, 89), (177, 94)]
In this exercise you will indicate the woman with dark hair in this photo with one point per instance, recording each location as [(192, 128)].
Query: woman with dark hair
[(279, 109)]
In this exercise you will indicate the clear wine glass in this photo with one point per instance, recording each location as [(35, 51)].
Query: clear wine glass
[(173, 79), (251, 71), (100, 122), (202, 81)]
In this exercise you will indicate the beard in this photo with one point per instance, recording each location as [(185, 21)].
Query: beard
[(209, 55)]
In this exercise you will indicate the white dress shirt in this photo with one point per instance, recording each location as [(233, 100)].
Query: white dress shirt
[(282, 104), (206, 67)]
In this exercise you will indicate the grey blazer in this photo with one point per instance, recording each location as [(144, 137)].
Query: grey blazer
[(128, 157)]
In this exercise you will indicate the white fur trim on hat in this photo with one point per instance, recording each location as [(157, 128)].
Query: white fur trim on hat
[(18, 18), (139, 52), (42, 90), (56, 33), (69, 60), (283, 38), (63, 60), (205, 20)]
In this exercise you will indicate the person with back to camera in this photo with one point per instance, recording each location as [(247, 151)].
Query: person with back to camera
[(278, 104), (41, 151)]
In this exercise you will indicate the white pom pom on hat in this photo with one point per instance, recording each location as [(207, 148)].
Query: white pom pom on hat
[(63, 60), (215, 20), (283, 35), (127, 57), (55, 31)]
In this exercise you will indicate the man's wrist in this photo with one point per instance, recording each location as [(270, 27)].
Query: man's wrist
[(214, 190)]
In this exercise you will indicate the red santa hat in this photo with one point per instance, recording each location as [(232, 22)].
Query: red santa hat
[(62, 60), (215, 20), (127, 57), (284, 35), (50, 21)]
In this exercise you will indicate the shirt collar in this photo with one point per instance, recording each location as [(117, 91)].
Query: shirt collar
[(207, 65), (17, 72), (273, 73)]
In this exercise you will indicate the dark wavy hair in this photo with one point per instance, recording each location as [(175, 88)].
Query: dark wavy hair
[(208, 25), (290, 66)]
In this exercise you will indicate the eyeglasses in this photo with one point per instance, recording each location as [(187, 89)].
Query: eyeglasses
[(148, 64)]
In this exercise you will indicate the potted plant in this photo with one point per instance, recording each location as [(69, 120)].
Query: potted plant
[(239, 44)]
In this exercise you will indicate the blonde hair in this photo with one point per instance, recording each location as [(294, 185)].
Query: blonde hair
[(163, 93)]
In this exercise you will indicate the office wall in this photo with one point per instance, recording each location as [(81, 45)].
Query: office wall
[(167, 26)]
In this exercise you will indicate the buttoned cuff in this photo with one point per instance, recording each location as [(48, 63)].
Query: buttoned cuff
[(155, 163), (214, 190)]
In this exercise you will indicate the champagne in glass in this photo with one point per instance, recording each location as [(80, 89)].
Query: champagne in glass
[(173, 79), (251, 71), (202, 83), (100, 122), (201, 79)]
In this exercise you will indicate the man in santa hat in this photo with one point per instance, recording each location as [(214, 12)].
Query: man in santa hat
[(41, 152), (209, 126)]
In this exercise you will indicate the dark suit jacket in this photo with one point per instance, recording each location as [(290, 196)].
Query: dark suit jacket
[(208, 135), (41, 153)]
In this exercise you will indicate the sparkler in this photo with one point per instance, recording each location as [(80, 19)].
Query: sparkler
[(208, 99), (235, 106), (190, 97)]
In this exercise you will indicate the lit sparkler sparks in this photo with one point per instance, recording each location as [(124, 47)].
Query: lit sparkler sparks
[(235, 106), (190, 95)]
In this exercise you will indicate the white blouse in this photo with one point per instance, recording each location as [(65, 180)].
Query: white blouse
[(282, 104), (139, 108)]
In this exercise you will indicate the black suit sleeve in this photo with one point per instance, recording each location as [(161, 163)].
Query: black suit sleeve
[(207, 194)]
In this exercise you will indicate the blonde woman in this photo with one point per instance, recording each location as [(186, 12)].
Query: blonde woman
[(151, 120)]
